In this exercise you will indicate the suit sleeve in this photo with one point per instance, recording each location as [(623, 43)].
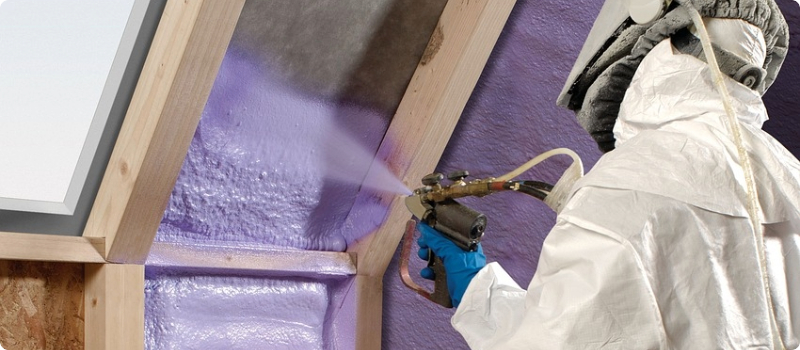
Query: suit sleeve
[(589, 292)]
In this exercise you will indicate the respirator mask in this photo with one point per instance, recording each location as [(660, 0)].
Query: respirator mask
[(626, 30)]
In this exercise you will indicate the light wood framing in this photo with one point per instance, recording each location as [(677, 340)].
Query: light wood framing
[(430, 109), (114, 307), (37, 247), (176, 80), (369, 311), (250, 261), (434, 100)]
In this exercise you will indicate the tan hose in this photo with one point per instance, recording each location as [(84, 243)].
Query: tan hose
[(536, 160), (753, 206), (561, 191)]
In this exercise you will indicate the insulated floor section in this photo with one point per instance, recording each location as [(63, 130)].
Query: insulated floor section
[(195, 311)]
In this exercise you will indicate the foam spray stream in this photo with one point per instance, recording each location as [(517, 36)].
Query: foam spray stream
[(350, 162)]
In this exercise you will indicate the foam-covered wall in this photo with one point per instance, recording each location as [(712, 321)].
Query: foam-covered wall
[(301, 102), (260, 168), (191, 310), (299, 107)]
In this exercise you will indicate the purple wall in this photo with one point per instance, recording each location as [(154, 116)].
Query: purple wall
[(782, 99), (259, 172), (510, 118)]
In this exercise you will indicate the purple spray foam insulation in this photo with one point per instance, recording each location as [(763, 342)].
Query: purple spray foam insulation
[(186, 311), (202, 312), (269, 166), (272, 165)]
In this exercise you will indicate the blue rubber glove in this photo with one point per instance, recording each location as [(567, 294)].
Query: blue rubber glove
[(461, 265)]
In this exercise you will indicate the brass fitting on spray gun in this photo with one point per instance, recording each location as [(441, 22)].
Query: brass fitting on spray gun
[(435, 205)]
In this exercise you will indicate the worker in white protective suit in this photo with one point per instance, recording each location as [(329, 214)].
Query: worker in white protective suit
[(655, 248)]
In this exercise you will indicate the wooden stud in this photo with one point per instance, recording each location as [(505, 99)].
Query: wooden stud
[(436, 96), (251, 261), (369, 311), (430, 109), (176, 80), (114, 307), (39, 247)]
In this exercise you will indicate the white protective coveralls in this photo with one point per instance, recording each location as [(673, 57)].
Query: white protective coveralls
[(655, 249)]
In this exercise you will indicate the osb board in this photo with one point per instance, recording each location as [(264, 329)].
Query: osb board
[(41, 305)]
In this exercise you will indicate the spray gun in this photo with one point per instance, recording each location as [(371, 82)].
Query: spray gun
[(435, 204)]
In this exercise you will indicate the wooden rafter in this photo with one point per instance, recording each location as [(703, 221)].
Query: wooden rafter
[(172, 90), (176, 80), (434, 100)]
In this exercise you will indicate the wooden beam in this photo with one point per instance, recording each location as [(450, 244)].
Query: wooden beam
[(435, 98), (251, 261), (172, 90), (39, 247), (429, 111), (114, 307), (369, 312)]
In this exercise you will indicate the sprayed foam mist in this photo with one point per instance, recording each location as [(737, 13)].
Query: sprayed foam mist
[(349, 162), (274, 165)]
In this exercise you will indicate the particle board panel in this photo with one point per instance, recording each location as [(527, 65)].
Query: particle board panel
[(41, 306)]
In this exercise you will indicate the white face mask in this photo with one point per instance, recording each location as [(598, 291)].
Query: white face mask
[(737, 37)]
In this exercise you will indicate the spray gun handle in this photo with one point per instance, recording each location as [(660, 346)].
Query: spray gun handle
[(460, 224), (440, 295)]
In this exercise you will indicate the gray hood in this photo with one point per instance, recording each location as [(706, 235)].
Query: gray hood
[(616, 46)]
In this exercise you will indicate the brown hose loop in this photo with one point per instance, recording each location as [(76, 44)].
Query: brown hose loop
[(405, 253)]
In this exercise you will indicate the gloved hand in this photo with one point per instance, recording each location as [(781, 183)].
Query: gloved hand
[(461, 266)]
